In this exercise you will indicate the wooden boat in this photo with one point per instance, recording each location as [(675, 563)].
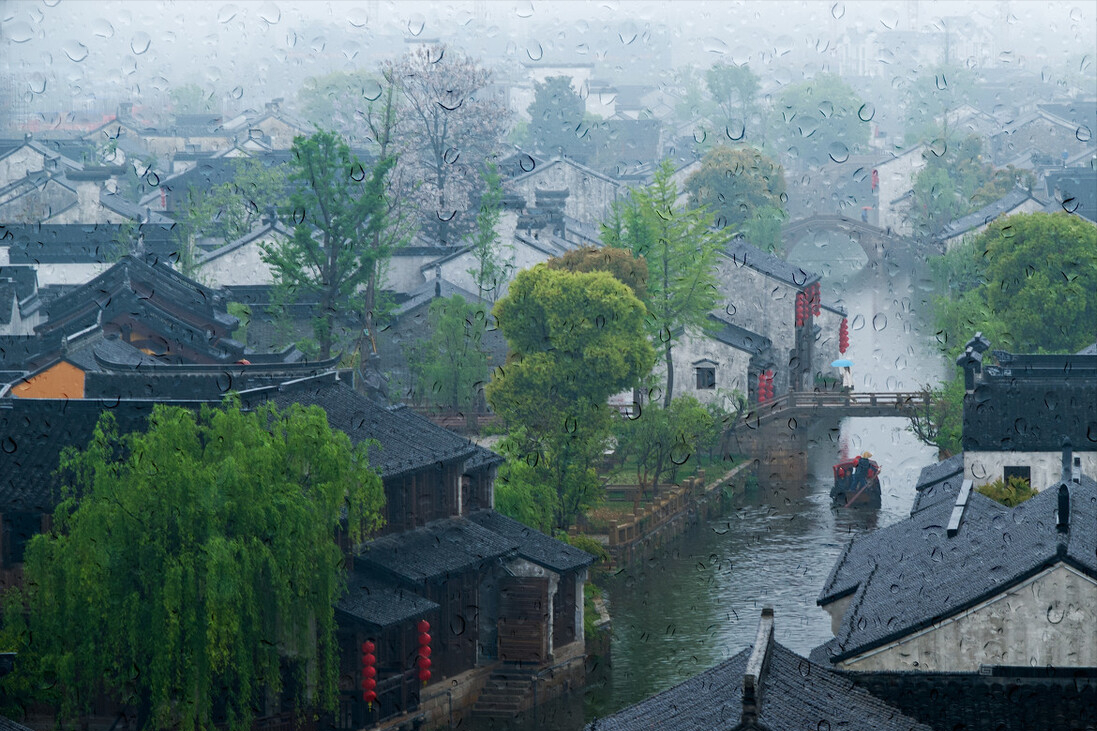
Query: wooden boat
[(857, 483)]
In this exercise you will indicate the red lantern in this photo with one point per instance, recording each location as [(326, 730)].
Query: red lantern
[(800, 309), (761, 387), (423, 659), (843, 336), (817, 299), (369, 673)]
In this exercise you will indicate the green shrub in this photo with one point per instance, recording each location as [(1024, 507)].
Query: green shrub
[(1010, 494)]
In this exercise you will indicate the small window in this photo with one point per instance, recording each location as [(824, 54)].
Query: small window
[(1025, 473), (706, 378)]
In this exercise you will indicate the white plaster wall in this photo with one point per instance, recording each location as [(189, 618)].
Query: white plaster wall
[(826, 346), (1047, 621), (731, 369), (591, 195), (70, 273), (1046, 468), (4, 258), (896, 178), (766, 306), (242, 266), (20, 162)]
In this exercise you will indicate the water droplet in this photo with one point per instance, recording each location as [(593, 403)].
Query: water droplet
[(270, 13), (938, 147), (858, 323), (838, 151), (19, 32), (526, 163), (535, 52), (736, 130), (838, 11), (227, 13), (140, 43), (1070, 205), (446, 216), (866, 112), (237, 92), (37, 82), (879, 321), (152, 179), (358, 173), (1076, 15), (699, 135), (416, 24), (358, 17), (298, 216), (102, 28), (75, 50), (1083, 133), (372, 90), (826, 109), (1055, 613), (8, 445), (451, 155)]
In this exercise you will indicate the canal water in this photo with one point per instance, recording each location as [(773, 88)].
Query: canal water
[(697, 602)]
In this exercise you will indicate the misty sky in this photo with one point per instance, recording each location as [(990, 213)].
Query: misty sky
[(111, 49)]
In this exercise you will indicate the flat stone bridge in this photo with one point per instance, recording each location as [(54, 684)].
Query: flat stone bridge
[(834, 404)]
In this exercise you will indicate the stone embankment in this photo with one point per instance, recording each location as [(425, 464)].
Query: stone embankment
[(672, 513)]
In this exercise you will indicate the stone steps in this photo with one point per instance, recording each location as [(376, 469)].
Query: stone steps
[(507, 692)]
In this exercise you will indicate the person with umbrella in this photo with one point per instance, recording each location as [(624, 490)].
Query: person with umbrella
[(844, 367)]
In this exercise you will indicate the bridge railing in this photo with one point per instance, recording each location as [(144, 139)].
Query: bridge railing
[(900, 401)]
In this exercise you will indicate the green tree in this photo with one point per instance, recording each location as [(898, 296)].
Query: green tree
[(575, 339), (451, 366), (733, 89), (820, 119), (190, 99), (523, 487), (1037, 288), (1010, 493), (621, 263), (680, 247), (742, 188), (337, 207), (556, 115), (663, 439), (937, 419), (335, 100), (492, 267), (188, 564), (229, 211)]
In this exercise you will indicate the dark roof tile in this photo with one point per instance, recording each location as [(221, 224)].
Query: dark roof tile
[(379, 603), (437, 550), (532, 544)]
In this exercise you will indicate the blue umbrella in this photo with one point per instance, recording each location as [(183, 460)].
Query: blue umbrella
[(842, 363)]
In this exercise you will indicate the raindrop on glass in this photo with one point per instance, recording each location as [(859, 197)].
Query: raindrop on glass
[(237, 92), (838, 151), (938, 147), (451, 156), (535, 52), (858, 323), (19, 32), (37, 82), (838, 11), (227, 13), (357, 17), (416, 24), (879, 321), (140, 43), (269, 13), (102, 28), (736, 130), (527, 163), (75, 50), (1083, 133), (866, 112)]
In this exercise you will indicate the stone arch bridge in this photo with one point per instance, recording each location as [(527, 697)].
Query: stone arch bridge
[(875, 241)]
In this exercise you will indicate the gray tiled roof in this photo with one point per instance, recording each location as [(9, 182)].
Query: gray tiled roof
[(380, 603), (908, 575), (987, 213), (796, 695), (939, 481), (532, 544), (744, 254), (405, 441), (435, 551), (6, 724), (739, 337)]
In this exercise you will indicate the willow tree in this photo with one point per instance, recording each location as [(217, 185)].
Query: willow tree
[(188, 564)]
